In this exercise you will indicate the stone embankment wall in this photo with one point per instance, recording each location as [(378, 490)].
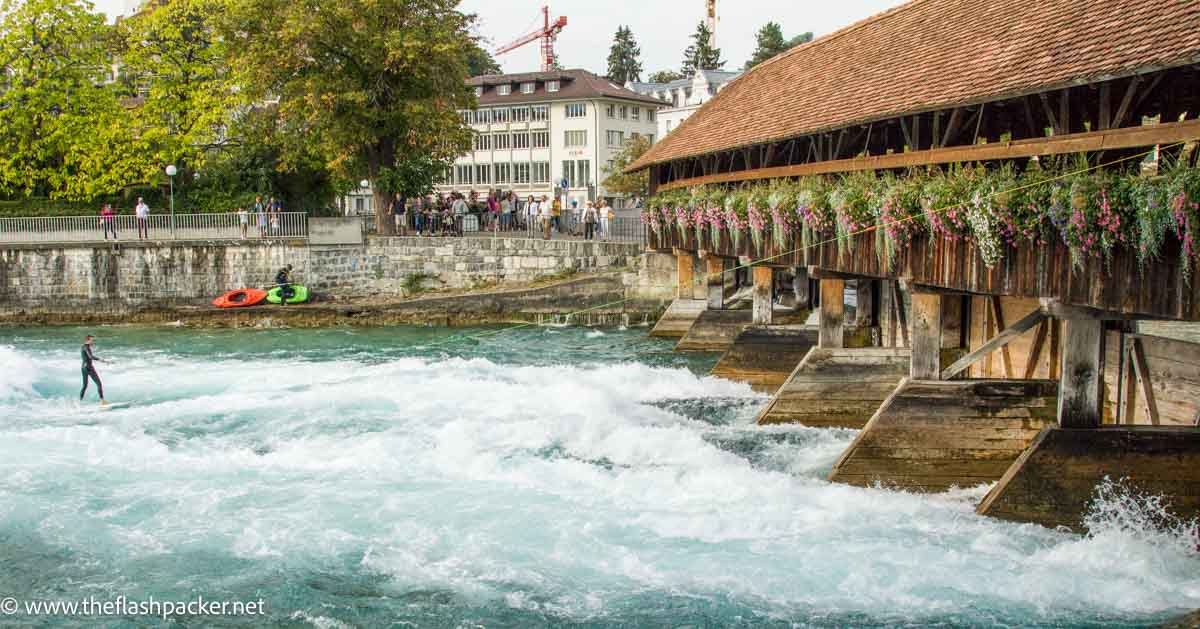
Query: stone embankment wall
[(109, 280)]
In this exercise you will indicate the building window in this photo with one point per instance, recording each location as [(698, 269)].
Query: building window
[(541, 172), (551, 86), (576, 110), (483, 116), (483, 142), (359, 205), (521, 173), (478, 92), (568, 173), (462, 175), (504, 90), (583, 168), (467, 116), (624, 112), (637, 113), (500, 141), (650, 115), (500, 116), (611, 111), (541, 113), (616, 138), (541, 139), (669, 124), (527, 88), (650, 138), (520, 114), (483, 174), (503, 172), (520, 140), (575, 138), (609, 166)]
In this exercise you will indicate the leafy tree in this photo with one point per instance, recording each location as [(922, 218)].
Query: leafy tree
[(624, 58), (664, 76), (616, 180), (771, 42), (372, 83), (701, 54), (53, 106), (173, 54), (480, 62)]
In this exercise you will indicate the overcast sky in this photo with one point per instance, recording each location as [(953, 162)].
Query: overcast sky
[(662, 27)]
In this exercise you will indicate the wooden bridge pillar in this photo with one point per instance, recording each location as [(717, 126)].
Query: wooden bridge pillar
[(926, 336), (714, 279), (864, 310), (764, 295), (801, 288), (833, 314), (1082, 374), (685, 273)]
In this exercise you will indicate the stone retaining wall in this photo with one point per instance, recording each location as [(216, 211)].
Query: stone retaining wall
[(133, 276)]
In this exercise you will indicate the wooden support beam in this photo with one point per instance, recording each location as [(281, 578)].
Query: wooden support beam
[(998, 315), (926, 337), (1126, 101), (951, 127), (1139, 369), (1035, 354), (863, 299), (1105, 112), (901, 315), (801, 287), (1050, 113), (833, 313), (714, 278), (1112, 139), (764, 295), (685, 268), (999, 341), (1055, 348), (1082, 374)]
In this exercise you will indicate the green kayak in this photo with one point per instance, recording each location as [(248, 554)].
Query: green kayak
[(299, 296)]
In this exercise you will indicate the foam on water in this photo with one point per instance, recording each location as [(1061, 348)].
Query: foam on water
[(351, 487)]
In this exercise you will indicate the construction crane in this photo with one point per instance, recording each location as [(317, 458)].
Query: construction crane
[(712, 22), (548, 33)]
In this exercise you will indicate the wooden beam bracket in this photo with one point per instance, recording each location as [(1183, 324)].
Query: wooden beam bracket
[(999, 341)]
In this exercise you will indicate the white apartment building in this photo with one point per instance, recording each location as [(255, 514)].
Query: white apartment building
[(683, 97), (549, 133)]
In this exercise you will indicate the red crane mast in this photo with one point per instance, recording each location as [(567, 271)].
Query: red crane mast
[(548, 33)]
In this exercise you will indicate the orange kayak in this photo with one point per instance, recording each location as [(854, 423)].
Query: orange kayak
[(241, 298)]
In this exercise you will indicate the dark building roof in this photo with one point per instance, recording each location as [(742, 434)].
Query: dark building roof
[(573, 85), (937, 54)]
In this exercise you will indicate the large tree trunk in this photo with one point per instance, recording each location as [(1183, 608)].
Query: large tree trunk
[(378, 157)]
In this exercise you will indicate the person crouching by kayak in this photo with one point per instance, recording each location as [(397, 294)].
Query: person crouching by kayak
[(283, 279), (88, 369)]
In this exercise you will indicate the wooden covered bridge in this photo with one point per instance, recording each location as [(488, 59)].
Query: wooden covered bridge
[(1009, 190)]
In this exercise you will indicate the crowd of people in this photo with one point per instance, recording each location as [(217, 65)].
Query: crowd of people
[(444, 215)]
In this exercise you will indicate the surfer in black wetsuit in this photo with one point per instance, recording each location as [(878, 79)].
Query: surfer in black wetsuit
[(283, 279), (88, 369)]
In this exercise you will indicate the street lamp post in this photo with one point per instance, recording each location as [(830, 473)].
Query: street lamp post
[(171, 172)]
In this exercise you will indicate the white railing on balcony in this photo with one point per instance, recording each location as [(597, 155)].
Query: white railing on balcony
[(125, 227)]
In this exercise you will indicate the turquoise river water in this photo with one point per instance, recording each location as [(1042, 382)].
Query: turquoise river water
[(537, 478)]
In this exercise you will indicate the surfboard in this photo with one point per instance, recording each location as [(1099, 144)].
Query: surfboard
[(112, 406)]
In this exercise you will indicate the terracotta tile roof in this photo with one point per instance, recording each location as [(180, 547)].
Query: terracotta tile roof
[(573, 85), (934, 54)]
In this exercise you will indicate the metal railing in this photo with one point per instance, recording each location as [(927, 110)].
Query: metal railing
[(230, 226), (518, 224)]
